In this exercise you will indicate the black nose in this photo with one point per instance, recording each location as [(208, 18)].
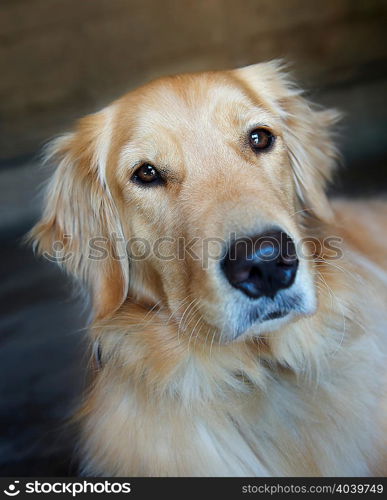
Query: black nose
[(261, 265)]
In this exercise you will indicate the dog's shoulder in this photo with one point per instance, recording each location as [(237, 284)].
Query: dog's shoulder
[(363, 226)]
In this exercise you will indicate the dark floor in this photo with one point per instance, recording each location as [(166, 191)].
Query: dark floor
[(41, 374)]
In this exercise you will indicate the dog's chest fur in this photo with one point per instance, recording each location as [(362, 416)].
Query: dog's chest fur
[(214, 416)]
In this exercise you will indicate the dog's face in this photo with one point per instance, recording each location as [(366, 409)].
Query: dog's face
[(203, 177)]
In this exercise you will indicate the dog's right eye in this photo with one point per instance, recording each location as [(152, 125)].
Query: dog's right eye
[(261, 139), (147, 174)]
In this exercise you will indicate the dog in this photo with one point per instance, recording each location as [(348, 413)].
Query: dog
[(239, 315)]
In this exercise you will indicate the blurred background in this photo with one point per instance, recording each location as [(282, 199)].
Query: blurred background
[(61, 59)]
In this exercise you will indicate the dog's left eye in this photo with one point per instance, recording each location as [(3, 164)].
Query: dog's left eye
[(147, 174), (261, 139)]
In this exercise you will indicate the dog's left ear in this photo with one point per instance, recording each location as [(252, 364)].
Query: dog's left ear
[(307, 133), (80, 213)]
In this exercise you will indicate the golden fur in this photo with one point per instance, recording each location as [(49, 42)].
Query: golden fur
[(175, 392)]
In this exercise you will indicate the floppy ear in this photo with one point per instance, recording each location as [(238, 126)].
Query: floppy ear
[(307, 133), (80, 208)]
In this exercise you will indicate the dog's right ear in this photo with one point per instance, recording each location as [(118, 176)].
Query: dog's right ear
[(307, 133), (79, 210)]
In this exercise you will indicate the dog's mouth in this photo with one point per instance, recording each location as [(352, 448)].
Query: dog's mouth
[(275, 315), (272, 309), (258, 317)]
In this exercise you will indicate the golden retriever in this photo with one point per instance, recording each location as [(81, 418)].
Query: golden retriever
[(239, 317)]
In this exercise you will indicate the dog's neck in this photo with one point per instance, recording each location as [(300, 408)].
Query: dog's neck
[(146, 337)]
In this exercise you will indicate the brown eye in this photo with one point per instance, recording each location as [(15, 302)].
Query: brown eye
[(261, 139), (147, 174)]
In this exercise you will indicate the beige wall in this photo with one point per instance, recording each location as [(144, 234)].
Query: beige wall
[(60, 59)]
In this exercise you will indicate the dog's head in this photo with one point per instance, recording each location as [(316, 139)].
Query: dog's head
[(190, 193)]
